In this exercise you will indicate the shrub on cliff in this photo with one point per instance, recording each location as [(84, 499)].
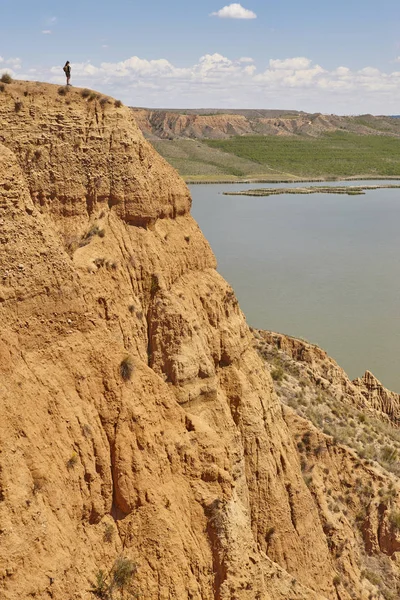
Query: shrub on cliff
[(117, 580), (126, 368), (6, 78)]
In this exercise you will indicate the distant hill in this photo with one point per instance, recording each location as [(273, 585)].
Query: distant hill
[(271, 145), (220, 123)]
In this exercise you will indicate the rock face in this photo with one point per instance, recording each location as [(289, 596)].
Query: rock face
[(172, 124), (352, 472), (366, 392), (137, 418)]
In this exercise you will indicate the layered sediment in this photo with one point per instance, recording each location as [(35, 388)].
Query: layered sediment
[(137, 418)]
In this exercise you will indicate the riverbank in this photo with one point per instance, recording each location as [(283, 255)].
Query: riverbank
[(248, 180)]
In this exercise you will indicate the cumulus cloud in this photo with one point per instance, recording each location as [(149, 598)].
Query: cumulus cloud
[(234, 11), (46, 31), (15, 63), (292, 64), (216, 80)]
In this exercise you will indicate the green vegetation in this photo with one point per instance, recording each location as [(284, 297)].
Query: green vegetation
[(6, 78), (277, 374), (332, 156), (117, 581), (373, 439), (126, 368), (394, 519), (338, 154), (72, 461)]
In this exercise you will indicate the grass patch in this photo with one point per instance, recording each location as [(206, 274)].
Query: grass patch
[(338, 154)]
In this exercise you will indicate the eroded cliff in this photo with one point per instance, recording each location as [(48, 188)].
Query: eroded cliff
[(137, 418)]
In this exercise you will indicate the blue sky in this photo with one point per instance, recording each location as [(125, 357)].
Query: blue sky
[(341, 57)]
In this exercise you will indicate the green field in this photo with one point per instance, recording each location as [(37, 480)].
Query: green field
[(333, 155), (336, 154)]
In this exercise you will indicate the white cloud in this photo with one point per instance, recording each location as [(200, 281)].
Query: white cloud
[(292, 64), (46, 31), (234, 11), (15, 63), (218, 81)]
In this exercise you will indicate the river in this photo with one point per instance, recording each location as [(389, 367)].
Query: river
[(323, 267)]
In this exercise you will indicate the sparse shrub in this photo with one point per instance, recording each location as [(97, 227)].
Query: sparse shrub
[(18, 106), (85, 93), (2, 87), (108, 533), (394, 519), (63, 91), (93, 96), (389, 454), (277, 374), (73, 461), (269, 535), (26, 93), (102, 233), (94, 230), (118, 104), (372, 577), (103, 101), (37, 154), (336, 580), (6, 78), (99, 262), (119, 578), (131, 308), (123, 571), (38, 484), (126, 368)]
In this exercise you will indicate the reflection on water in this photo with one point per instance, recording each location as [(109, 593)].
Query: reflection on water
[(324, 267)]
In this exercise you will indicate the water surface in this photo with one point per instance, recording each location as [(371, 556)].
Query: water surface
[(324, 267)]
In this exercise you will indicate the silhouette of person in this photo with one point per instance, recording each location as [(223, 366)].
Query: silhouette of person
[(67, 71)]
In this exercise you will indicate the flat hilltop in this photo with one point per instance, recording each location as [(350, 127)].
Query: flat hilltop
[(272, 145)]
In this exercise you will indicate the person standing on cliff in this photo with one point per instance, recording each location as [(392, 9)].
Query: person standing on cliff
[(67, 71)]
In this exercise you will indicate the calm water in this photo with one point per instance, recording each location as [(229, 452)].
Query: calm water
[(324, 267)]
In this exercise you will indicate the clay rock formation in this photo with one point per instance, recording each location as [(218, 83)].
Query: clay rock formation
[(163, 124), (137, 418), (366, 392)]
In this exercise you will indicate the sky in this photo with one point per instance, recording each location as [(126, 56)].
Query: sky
[(338, 57)]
